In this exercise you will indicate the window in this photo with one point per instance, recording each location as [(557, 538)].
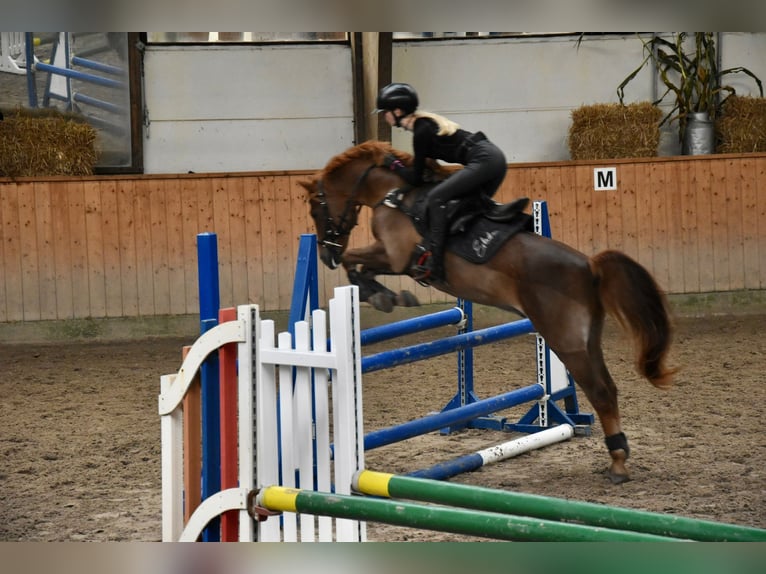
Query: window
[(91, 74), (242, 37)]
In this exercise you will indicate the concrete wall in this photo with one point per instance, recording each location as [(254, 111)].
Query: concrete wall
[(245, 108)]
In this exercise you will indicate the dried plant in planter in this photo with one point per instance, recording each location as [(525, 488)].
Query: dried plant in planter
[(687, 65)]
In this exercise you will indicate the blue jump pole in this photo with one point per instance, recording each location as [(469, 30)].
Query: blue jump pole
[(77, 75), (209, 303), (98, 66), (396, 357), (460, 415), (372, 335)]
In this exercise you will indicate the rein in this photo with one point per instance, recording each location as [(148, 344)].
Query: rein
[(334, 233)]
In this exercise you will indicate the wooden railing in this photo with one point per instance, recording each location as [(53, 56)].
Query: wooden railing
[(125, 246)]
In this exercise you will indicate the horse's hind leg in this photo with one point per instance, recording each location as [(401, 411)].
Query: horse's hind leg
[(589, 371), (576, 338)]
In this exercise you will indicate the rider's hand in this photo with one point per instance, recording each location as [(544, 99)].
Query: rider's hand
[(391, 162)]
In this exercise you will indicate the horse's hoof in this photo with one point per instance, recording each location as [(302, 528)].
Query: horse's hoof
[(617, 478), (407, 299), (381, 302), (617, 473)]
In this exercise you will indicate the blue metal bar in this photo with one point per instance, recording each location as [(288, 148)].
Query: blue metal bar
[(209, 303), (77, 75), (306, 283), (29, 54), (95, 102), (396, 357), (434, 422), (415, 325), (445, 470), (98, 66)]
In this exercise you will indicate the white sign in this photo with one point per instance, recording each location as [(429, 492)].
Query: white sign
[(604, 178)]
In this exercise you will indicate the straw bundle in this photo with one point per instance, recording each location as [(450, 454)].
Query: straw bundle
[(741, 127), (38, 142), (610, 131)]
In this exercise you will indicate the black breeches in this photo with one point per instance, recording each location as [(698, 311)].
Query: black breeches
[(484, 171)]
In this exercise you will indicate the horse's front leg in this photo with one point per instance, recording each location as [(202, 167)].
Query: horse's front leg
[(362, 265)]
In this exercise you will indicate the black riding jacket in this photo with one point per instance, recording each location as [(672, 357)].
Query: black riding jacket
[(426, 144)]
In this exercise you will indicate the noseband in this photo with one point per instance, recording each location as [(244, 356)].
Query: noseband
[(334, 233)]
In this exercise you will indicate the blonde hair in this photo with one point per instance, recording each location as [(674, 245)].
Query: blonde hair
[(446, 127)]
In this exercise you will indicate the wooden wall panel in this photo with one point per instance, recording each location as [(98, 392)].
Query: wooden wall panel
[(126, 245), (674, 245), (189, 198), (269, 249), (253, 206), (78, 241), (46, 252), (705, 236), (94, 243), (30, 289), (759, 181), (220, 225), (128, 258), (236, 213), (735, 231), (613, 216), (626, 182), (176, 246), (657, 198), (747, 174), (111, 248), (12, 256), (567, 231), (719, 222), (286, 241), (687, 224), (5, 219), (63, 250), (142, 209)]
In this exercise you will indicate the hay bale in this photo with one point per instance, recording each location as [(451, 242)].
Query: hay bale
[(39, 142), (741, 127), (611, 131)]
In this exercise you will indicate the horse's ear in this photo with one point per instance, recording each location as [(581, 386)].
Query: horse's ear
[(307, 185)]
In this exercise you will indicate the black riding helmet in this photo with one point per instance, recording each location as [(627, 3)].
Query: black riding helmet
[(397, 95)]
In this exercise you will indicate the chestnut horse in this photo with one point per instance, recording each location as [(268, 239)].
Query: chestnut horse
[(564, 293)]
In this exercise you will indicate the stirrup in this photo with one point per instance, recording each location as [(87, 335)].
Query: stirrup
[(422, 269)]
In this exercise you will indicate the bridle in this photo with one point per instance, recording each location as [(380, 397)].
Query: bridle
[(334, 233)]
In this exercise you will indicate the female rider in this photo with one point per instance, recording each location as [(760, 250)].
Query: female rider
[(438, 138)]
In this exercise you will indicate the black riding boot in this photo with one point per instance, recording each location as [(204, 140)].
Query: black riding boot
[(438, 237)]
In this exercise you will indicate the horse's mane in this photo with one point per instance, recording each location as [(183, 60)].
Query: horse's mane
[(372, 150)]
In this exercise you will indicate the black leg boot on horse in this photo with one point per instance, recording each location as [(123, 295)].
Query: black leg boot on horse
[(431, 264)]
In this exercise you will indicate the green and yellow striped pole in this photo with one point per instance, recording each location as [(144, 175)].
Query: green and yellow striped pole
[(455, 520), (549, 508)]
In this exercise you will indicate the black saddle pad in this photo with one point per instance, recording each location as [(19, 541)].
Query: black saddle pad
[(474, 238), (482, 237)]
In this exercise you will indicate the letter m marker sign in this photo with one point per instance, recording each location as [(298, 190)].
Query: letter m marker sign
[(604, 178)]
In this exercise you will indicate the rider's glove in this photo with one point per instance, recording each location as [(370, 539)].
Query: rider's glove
[(391, 162)]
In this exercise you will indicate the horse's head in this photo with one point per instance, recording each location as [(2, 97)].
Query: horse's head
[(337, 193), (334, 217)]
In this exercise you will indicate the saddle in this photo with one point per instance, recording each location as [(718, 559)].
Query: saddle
[(478, 226)]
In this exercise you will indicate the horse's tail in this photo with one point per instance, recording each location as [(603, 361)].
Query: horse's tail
[(632, 296)]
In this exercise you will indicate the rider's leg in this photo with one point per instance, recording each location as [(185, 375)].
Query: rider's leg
[(437, 222)]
